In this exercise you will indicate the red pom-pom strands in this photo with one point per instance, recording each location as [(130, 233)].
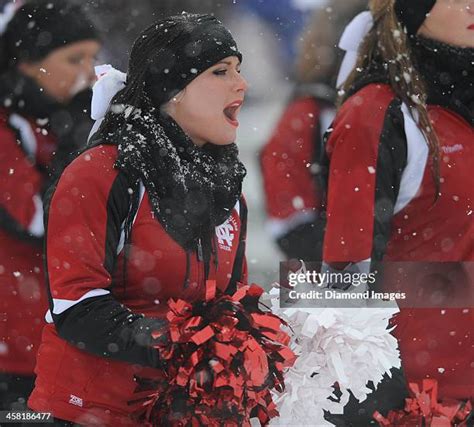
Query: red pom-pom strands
[(423, 409), (223, 358)]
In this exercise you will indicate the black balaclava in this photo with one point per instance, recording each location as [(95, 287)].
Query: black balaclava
[(41, 26), (412, 13)]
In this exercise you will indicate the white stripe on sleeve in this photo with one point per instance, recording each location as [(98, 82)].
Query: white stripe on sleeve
[(61, 305)]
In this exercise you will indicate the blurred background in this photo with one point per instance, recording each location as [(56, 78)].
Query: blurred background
[(267, 33)]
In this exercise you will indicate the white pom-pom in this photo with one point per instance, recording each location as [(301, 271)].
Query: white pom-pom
[(350, 346)]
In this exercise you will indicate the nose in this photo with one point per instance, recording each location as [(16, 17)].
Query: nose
[(470, 8), (241, 84)]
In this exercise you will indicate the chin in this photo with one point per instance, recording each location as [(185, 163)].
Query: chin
[(226, 138), (462, 42)]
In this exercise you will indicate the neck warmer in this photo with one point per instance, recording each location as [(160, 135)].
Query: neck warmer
[(22, 95), (191, 189), (69, 124), (448, 72)]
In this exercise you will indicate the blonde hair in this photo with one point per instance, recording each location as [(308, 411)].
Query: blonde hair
[(387, 41), (317, 54)]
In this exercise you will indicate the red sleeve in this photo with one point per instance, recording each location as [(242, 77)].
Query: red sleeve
[(286, 159), (83, 229), (361, 190), (20, 181), (79, 213)]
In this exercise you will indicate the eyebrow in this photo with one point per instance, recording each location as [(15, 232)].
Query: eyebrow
[(227, 63)]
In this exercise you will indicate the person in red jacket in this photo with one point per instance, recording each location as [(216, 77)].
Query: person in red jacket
[(290, 160), (292, 168), (46, 60), (150, 211), (400, 156)]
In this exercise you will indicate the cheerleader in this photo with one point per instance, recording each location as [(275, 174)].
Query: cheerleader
[(290, 160), (150, 211), (400, 159), (47, 53)]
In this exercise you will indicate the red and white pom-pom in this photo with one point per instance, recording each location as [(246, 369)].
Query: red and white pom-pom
[(223, 358)]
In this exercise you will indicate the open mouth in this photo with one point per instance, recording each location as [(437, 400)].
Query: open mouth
[(231, 112)]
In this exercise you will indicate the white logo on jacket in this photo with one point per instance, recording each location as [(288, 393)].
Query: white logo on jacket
[(74, 400), (225, 234), (452, 148)]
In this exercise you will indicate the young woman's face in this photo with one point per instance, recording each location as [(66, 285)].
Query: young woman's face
[(66, 71), (207, 109), (451, 22)]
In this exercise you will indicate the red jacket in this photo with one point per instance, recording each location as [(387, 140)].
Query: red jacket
[(380, 206), (26, 150), (290, 169), (87, 292)]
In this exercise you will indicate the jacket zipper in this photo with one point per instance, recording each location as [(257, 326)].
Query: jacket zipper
[(199, 251), (200, 257)]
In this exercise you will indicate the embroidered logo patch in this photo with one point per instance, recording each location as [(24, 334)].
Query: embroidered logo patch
[(225, 234), (74, 400), (447, 149)]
